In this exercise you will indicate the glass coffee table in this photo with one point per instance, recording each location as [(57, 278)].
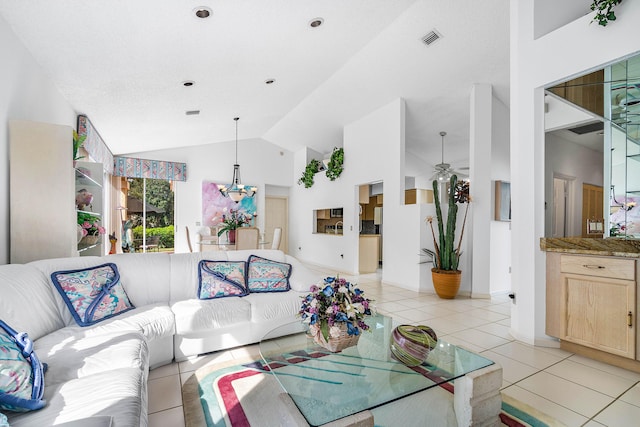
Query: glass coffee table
[(327, 386)]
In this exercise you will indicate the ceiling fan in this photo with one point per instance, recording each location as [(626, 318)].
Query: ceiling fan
[(443, 171)]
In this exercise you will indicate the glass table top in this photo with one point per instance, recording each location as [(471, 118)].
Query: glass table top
[(328, 386)]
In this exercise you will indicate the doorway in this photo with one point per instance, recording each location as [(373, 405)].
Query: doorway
[(370, 206), (277, 215), (148, 225), (562, 188)]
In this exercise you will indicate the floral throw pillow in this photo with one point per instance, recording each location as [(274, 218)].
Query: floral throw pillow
[(92, 294), (265, 275), (21, 373), (219, 279)]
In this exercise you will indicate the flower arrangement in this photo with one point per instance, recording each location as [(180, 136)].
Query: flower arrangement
[(233, 221), (332, 302), (90, 224)]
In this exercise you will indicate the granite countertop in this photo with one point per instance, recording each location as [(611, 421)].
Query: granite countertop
[(591, 246)]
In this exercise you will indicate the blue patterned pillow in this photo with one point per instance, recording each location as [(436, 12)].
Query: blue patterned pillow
[(265, 275), (92, 294), (219, 279), (21, 373)]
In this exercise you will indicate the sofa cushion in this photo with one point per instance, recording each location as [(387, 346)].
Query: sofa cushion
[(21, 373), (184, 273), (203, 315), (301, 277), (146, 277), (219, 279), (92, 294), (265, 275), (244, 254), (271, 306), (77, 356), (27, 300), (120, 393), (153, 321)]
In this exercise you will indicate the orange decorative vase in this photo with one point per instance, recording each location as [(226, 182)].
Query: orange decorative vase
[(446, 282)]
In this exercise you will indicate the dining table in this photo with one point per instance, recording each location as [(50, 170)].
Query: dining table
[(214, 243)]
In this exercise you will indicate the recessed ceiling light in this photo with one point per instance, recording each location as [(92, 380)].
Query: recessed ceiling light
[(192, 112), (202, 12), (188, 83), (270, 81), (316, 22)]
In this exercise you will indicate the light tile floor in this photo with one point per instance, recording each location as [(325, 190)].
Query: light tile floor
[(572, 389)]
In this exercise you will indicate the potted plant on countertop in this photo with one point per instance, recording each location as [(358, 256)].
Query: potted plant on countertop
[(230, 223), (446, 256)]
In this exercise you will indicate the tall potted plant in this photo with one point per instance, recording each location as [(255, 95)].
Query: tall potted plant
[(446, 255)]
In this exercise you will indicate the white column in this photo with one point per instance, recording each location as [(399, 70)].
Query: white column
[(481, 188)]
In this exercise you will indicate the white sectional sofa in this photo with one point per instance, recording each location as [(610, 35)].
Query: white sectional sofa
[(101, 370)]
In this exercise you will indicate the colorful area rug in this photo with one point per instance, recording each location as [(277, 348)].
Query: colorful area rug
[(237, 394)]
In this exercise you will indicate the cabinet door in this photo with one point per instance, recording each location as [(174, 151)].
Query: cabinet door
[(600, 313)]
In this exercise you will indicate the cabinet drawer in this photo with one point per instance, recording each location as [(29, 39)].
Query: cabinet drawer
[(616, 268)]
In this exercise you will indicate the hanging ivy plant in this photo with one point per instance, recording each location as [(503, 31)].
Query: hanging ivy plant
[(604, 11), (309, 172), (334, 169)]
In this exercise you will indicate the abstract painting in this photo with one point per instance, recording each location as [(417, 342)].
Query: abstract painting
[(215, 205)]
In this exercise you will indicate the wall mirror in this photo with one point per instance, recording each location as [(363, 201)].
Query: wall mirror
[(599, 112)]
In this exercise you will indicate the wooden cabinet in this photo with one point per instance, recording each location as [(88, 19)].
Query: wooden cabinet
[(600, 313), (592, 205), (591, 301), (323, 214), (369, 253), (369, 210), (363, 194)]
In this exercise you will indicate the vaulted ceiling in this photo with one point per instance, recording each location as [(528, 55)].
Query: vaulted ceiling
[(123, 63)]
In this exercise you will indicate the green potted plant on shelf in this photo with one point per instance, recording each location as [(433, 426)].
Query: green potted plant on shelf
[(604, 11), (309, 171), (78, 140), (230, 223), (446, 255), (335, 168)]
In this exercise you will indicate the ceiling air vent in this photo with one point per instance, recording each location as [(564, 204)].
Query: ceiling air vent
[(431, 37), (588, 128), (193, 112)]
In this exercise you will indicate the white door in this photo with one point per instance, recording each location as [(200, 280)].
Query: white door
[(559, 207), (277, 215)]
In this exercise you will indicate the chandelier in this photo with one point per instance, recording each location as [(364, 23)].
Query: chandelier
[(236, 191)]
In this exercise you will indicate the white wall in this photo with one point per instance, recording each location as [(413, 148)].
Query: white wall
[(553, 14), (374, 151), (26, 92), (564, 53), (500, 232), (572, 160), (261, 164)]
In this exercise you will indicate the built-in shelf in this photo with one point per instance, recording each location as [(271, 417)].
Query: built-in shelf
[(82, 248), (82, 178)]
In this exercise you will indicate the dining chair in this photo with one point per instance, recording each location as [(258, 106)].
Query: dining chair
[(277, 236), (247, 238)]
